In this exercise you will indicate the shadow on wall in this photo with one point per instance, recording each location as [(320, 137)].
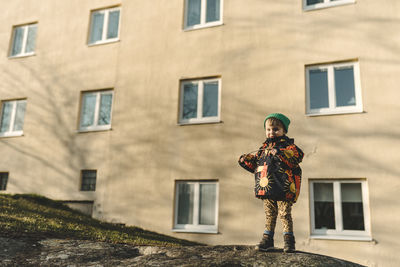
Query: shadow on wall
[(157, 156), (50, 139)]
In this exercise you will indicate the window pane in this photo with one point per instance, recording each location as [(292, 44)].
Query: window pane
[(185, 203), (213, 10), (210, 99), (88, 107), (313, 2), (6, 116), (324, 210), (319, 97), (344, 86), (31, 39), (89, 180), (208, 195), (96, 31), (352, 206), (19, 116), (3, 180), (17, 42), (193, 12), (113, 24), (190, 101), (105, 109)]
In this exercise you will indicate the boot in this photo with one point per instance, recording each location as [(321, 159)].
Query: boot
[(266, 243), (289, 246)]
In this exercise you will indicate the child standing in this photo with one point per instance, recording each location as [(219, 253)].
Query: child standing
[(277, 179)]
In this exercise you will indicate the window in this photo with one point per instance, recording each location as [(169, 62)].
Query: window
[(196, 206), (3, 180), (104, 25), (339, 209), (23, 40), (316, 4), (200, 101), (333, 89), (96, 110), (202, 13), (12, 117), (88, 180)]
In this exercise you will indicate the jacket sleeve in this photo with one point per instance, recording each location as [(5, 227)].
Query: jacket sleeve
[(291, 155), (249, 162)]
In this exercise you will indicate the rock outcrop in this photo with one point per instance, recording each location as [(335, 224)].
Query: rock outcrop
[(61, 252)]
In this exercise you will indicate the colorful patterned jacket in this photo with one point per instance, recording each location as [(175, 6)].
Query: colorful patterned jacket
[(277, 176)]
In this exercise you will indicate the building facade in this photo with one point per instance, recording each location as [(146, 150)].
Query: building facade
[(142, 109)]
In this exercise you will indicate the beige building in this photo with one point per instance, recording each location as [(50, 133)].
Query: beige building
[(142, 109)]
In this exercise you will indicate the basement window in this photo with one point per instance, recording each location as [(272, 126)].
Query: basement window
[(88, 180), (3, 181)]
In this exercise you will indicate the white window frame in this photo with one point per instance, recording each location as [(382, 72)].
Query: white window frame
[(200, 119), (95, 126), (339, 233), (25, 27), (203, 23), (332, 109), (104, 39), (326, 4), (10, 131), (196, 227)]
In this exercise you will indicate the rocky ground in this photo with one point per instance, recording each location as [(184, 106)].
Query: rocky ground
[(61, 252)]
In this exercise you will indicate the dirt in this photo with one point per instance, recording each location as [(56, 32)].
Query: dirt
[(71, 253)]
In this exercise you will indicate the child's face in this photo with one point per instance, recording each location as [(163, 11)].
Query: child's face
[(272, 131)]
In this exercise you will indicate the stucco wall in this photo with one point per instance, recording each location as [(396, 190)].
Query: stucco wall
[(260, 54)]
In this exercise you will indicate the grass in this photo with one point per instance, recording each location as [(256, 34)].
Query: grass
[(34, 216)]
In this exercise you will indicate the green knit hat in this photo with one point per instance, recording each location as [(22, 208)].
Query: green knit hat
[(285, 120)]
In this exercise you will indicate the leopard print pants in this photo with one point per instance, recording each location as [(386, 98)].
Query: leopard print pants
[(272, 208)]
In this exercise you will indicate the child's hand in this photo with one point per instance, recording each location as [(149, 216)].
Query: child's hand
[(241, 160)]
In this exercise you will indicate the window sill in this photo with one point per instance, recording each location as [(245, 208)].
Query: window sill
[(11, 134), (104, 42), (94, 130), (199, 122), (203, 26), (341, 237), (22, 56), (327, 5), (195, 231), (333, 112)]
